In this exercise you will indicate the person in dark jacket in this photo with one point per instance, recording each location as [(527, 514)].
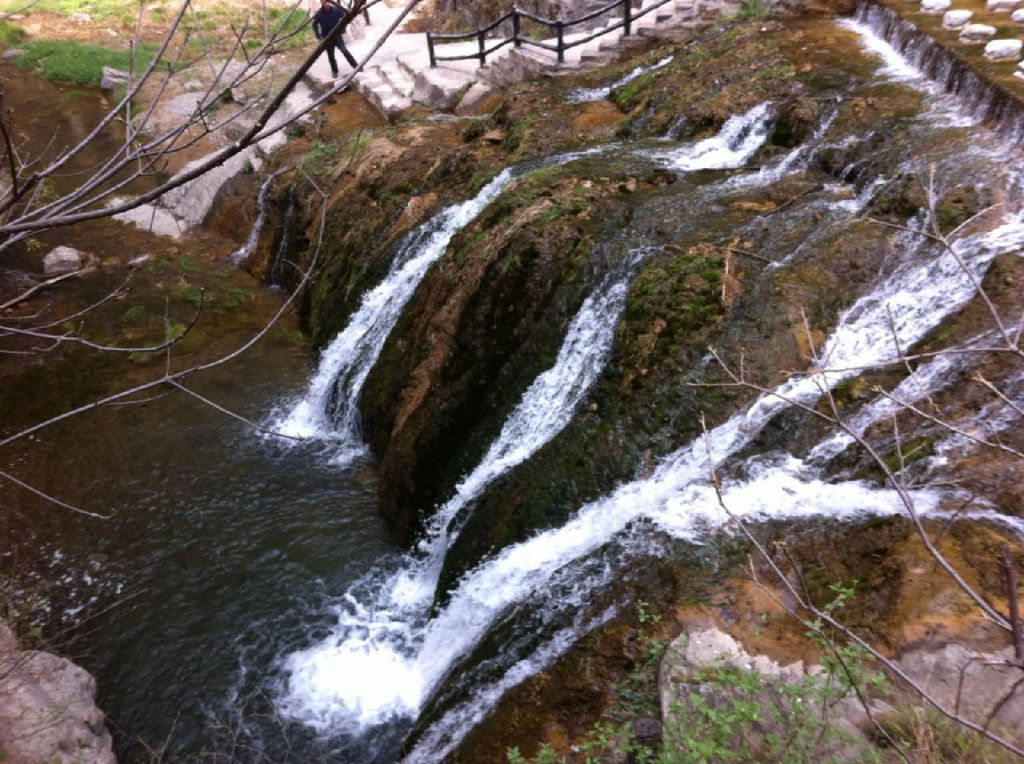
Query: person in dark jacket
[(324, 20)]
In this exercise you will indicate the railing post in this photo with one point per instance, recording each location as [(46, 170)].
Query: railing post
[(483, 47), (627, 17), (560, 29), (430, 50), (515, 27)]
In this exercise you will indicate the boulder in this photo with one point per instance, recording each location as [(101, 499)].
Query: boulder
[(692, 662), (1017, 17), (1001, 6), (935, 6), (62, 260), (1003, 50), (113, 78), (977, 33), (976, 682), (13, 53), (47, 709), (956, 19)]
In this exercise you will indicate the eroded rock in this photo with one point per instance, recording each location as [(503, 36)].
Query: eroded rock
[(47, 709), (113, 78)]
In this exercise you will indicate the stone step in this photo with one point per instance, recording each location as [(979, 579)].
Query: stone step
[(395, 76)]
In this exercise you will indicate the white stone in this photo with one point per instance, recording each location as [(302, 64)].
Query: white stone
[(936, 6), (12, 53), (977, 33), (1001, 5), (1017, 16), (956, 19), (62, 260), (1002, 50), (193, 85), (81, 18), (113, 78)]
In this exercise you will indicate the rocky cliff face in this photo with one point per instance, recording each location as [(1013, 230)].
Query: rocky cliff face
[(48, 710)]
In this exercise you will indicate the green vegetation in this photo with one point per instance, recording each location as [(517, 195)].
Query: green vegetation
[(750, 10), (931, 738), (323, 157), (82, 64), (722, 713), (10, 34)]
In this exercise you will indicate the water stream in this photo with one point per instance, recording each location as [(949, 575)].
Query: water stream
[(335, 685), (286, 598)]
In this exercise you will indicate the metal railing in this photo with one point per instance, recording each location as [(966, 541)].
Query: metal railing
[(516, 15)]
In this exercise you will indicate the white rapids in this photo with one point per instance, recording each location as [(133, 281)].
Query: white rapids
[(387, 654)]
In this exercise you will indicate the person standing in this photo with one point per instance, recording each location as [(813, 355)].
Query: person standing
[(324, 20)]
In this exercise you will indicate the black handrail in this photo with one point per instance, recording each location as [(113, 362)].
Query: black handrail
[(517, 39)]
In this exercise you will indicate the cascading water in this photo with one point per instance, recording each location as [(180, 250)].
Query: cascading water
[(249, 246), (679, 499), (379, 661), (385, 657), (329, 409), (919, 54), (927, 286), (587, 95), (732, 146)]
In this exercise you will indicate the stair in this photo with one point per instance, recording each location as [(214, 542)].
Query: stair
[(403, 76)]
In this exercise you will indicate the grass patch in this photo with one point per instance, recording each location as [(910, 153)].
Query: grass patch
[(751, 10), (11, 34), (79, 63), (96, 9)]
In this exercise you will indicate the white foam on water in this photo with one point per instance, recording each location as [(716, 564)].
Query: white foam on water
[(329, 408), (382, 658), (731, 147), (897, 68), (679, 498)]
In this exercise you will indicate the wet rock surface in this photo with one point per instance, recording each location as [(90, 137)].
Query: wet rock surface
[(48, 710)]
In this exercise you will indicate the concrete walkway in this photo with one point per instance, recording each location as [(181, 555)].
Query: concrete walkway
[(399, 74)]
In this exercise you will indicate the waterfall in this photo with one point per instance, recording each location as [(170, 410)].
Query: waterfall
[(329, 410), (679, 499), (983, 100), (276, 276), (249, 246), (587, 95), (382, 658)]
